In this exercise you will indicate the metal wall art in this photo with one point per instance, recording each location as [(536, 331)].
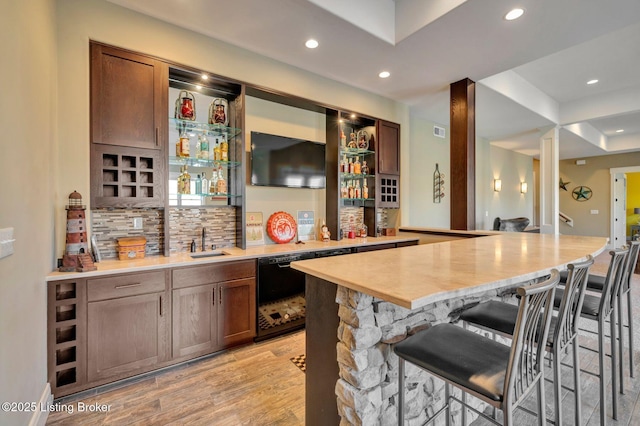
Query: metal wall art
[(438, 185), (581, 193)]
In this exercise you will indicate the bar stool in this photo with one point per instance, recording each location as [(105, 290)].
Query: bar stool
[(502, 317), (596, 283), (499, 375)]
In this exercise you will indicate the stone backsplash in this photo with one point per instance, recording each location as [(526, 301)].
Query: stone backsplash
[(107, 225), (187, 224), (350, 217)]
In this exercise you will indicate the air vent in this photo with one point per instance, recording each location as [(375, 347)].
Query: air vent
[(438, 131)]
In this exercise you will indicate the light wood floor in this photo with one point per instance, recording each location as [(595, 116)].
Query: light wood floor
[(259, 385)]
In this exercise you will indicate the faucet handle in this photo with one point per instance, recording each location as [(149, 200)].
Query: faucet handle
[(213, 246)]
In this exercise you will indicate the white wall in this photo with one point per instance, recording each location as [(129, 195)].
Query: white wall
[(27, 120), (82, 20), (268, 117), (510, 167), (426, 150)]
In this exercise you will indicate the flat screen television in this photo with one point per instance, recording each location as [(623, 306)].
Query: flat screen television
[(288, 162)]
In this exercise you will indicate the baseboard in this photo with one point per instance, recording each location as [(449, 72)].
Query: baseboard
[(39, 417)]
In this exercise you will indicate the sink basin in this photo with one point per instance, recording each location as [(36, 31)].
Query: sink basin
[(207, 254)]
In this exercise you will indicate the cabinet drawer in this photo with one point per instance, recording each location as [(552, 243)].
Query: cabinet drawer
[(125, 285), (198, 275)]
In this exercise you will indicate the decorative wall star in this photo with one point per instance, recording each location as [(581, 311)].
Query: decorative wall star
[(581, 193), (563, 185)]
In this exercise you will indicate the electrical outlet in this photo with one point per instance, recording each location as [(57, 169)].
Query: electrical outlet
[(137, 223), (6, 242), (595, 211)]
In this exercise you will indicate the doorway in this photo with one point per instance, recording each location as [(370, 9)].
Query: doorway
[(618, 233)]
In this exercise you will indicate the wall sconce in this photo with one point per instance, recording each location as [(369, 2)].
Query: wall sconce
[(523, 187), (497, 185)]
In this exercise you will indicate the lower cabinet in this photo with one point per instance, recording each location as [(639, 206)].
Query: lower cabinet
[(127, 324), (214, 307)]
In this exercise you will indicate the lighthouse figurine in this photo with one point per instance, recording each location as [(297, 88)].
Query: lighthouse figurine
[(76, 255)]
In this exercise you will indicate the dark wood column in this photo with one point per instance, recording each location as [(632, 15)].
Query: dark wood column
[(463, 155)]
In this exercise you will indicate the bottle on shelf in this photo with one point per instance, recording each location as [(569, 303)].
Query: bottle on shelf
[(180, 181), (343, 164), (343, 139), (217, 151), (351, 166), (365, 189), (198, 185), (357, 167), (205, 183), (222, 183), (365, 168), (202, 148), (357, 191), (224, 148), (199, 148), (213, 183), (186, 181), (184, 146), (350, 189), (353, 144), (344, 191)]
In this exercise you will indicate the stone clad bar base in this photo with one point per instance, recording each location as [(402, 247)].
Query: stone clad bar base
[(367, 386)]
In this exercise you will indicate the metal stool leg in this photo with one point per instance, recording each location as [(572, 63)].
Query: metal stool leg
[(557, 388), (576, 383), (400, 391), (603, 387), (620, 341), (614, 364), (630, 320), (542, 412)]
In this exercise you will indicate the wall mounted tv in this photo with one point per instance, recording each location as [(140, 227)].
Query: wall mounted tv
[(282, 161)]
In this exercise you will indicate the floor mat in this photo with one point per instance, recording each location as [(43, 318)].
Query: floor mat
[(300, 361)]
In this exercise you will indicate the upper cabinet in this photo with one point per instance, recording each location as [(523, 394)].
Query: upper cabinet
[(388, 148), (128, 128), (128, 98)]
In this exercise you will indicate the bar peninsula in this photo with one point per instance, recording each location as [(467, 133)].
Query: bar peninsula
[(358, 305)]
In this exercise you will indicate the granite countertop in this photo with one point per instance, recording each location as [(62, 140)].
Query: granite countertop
[(114, 266), (416, 276)]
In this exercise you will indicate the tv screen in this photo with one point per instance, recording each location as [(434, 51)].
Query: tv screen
[(282, 161)]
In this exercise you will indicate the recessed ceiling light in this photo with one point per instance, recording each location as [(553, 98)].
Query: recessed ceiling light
[(619, 130), (204, 77), (384, 74), (311, 43), (514, 14), (198, 87), (594, 81), (353, 116)]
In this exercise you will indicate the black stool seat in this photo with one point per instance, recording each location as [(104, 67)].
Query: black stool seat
[(500, 317), (460, 356), (590, 306), (595, 282)]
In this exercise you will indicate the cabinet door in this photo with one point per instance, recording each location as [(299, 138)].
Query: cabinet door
[(388, 148), (194, 320), (128, 98), (237, 312), (126, 335)]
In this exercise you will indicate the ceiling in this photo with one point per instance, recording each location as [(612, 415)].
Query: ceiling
[(531, 72)]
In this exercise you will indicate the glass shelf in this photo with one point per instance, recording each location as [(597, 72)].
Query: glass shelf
[(196, 162), (355, 152), (215, 196), (354, 176), (207, 129), (357, 199)]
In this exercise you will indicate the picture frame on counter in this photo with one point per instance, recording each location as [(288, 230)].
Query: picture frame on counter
[(255, 229), (306, 225)]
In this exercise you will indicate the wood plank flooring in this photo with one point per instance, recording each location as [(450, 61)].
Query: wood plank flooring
[(259, 385)]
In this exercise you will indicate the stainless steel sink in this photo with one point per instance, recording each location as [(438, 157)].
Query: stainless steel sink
[(207, 254)]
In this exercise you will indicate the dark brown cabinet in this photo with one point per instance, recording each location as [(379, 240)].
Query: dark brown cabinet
[(127, 325), (388, 148), (214, 307), (128, 98), (129, 126)]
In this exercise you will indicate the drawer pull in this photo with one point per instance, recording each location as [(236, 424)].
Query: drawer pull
[(128, 285), (213, 298), (160, 305), (221, 295)]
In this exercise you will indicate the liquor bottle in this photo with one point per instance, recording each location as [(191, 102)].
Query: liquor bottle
[(199, 148), (178, 146), (342, 165), (351, 167), (357, 191), (198, 185), (187, 181), (343, 190), (222, 183), (184, 146), (204, 148), (205, 183), (364, 230), (365, 190), (365, 168), (180, 181), (213, 183), (224, 147), (343, 139), (217, 151), (357, 167), (350, 189)]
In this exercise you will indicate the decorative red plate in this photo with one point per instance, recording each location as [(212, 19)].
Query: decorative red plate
[(281, 227)]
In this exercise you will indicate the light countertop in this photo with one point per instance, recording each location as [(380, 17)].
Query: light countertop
[(416, 276), (114, 266)]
